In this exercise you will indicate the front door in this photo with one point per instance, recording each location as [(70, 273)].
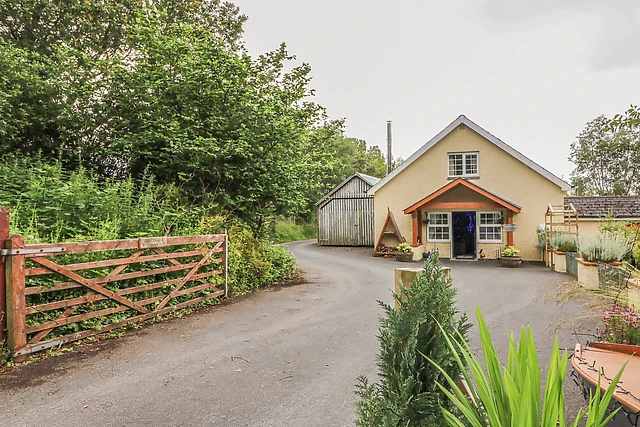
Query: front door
[(464, 235)]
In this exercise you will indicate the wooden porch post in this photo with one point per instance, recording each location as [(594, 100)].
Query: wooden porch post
[(16, 307), (4, 235), (415, 228), (510, 233)]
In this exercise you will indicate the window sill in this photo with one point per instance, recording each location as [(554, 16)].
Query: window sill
[(463, 177), (497, 242), (438, 241)]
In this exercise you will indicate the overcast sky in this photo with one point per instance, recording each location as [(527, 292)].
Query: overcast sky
[(531, 72)]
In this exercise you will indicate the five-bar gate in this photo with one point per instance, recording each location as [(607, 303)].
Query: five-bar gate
[(58, 293)]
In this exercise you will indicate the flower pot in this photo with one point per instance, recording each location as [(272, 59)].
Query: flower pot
[(404, 256), (511, 261)]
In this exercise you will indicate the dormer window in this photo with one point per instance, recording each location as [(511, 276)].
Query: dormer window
[(463, 164)]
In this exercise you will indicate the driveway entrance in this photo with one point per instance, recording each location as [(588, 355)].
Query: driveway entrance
[(285, 356)]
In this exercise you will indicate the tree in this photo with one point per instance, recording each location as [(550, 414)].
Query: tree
[(407, 392), (607, 159)]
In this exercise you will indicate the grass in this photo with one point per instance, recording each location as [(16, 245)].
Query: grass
[(290, 231)]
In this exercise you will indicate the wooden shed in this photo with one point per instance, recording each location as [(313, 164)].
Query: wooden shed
[(345, 214)]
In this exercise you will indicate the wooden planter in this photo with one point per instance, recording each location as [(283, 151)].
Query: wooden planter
[(404, 256), (511, 261), (559, 261)]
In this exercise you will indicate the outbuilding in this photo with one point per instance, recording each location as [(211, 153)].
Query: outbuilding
[(345, 214), (593, 209)]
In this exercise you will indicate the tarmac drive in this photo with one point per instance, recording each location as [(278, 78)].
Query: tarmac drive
[(285, 356)]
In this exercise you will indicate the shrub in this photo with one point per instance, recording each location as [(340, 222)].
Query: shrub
[(289, 231), (564, 242), (542, 238), (408, 335), (604, 248), (404, 247), (252, 264), (510, 251), (510, 395)]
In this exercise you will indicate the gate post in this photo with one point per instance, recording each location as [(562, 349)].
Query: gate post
[(16, 298), (4, 235)]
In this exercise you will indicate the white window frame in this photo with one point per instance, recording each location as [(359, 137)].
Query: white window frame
[(464, 164), (429, 225), (480, 225)]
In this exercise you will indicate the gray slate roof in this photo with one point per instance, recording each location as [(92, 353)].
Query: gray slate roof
[(596, 207)]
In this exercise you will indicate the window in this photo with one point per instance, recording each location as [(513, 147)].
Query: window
[(490, 229), (438, 228), (463, 164)]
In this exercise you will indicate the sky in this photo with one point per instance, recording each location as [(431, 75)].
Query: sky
[(531, 72)]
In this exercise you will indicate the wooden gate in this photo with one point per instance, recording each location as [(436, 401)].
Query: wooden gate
[(70, 291)]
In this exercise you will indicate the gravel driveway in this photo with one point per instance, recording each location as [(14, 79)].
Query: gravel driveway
[(286, 356)]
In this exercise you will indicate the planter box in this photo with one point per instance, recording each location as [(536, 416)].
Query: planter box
[(404, 256), (511, 261), (634, 291), (559, 261), (588, 274)]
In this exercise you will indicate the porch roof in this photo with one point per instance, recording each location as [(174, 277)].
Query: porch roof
[(465, 183)]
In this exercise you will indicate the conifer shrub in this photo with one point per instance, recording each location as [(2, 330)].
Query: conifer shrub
[(407, 392)]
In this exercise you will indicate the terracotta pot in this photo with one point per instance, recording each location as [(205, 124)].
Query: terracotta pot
[(404, 256), (511, 261)]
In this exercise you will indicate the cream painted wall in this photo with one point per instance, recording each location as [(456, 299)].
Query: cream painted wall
[(499, 173), (587, 228)]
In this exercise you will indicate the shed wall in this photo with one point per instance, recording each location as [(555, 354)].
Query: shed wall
[(346, 217)]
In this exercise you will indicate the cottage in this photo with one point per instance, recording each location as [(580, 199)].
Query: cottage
[(466, 194), (345, 214)]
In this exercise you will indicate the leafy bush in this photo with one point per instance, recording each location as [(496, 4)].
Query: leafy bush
[(289, 231), (49, 204), (252, 264), (630, 231), (407, 392), (404, 247), (510, 251), (604, 248), (564, 242), (510, 396)]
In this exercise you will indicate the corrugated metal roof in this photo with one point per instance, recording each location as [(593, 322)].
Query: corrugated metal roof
[(370, 179), (599, 206)]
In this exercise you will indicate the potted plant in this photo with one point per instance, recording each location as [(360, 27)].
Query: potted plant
[(510, 258), (561, 244), (404, 252), (609, 248)]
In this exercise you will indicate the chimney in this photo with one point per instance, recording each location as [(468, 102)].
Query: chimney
[(388, 147)]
